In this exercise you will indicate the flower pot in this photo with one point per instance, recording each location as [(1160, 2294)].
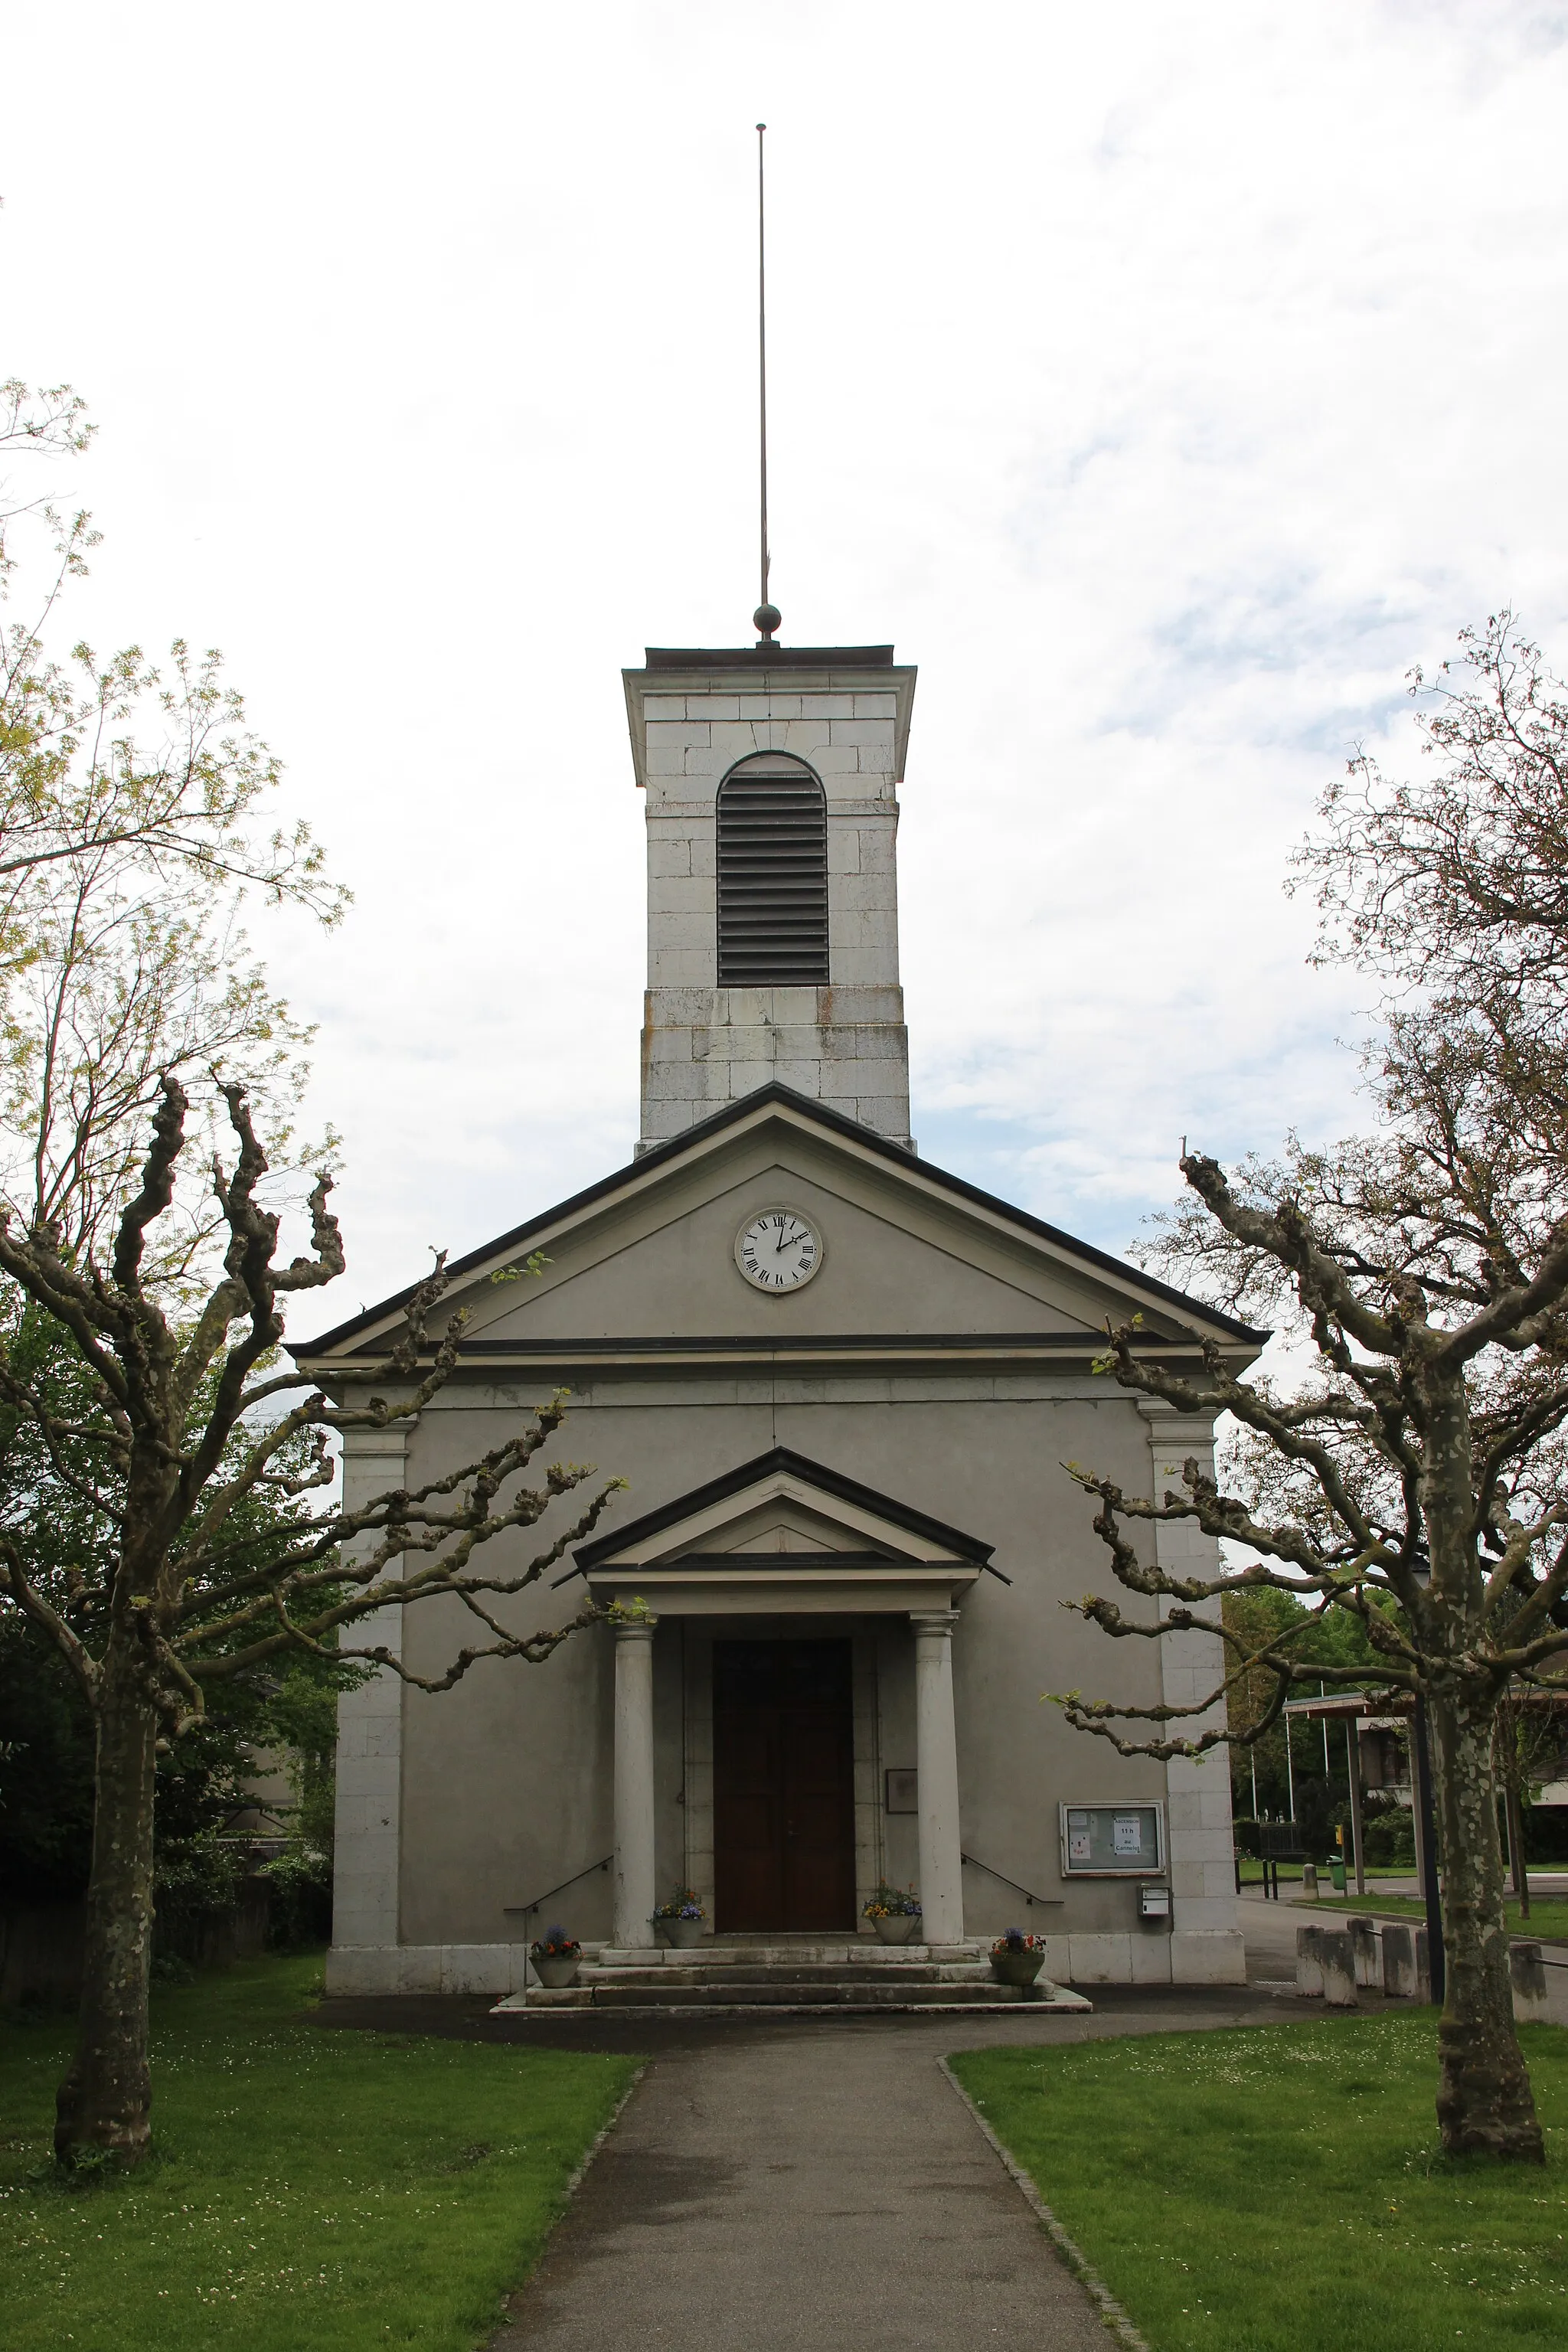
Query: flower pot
[(559, 1972), (1016, 1967), (680, 1933), (897, 1927)]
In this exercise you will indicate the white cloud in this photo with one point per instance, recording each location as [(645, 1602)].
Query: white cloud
[(1163, 379)]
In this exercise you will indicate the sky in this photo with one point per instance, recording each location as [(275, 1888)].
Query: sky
[(1164, 381)]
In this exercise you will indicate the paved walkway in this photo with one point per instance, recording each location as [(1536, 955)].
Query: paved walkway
[(816, 2189)]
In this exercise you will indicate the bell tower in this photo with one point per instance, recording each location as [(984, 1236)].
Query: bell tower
[(770, 775)]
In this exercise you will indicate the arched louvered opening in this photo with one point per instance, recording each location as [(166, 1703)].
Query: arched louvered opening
[(773, 875)]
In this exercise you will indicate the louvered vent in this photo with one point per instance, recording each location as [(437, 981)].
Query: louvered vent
[(773, 877)]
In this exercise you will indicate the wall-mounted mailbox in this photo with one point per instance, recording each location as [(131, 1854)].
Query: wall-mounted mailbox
[(1153, 1902)]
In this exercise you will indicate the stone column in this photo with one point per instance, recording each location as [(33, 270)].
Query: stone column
[(635, 1895), (936, 1759)]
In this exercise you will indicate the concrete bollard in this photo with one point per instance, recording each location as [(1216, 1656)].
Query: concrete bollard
[(1423, 1965), (1398, 1962), (1337, 1958), (1526, 1971), (1368, 1959), (1309, 1961), (1310, 1879)]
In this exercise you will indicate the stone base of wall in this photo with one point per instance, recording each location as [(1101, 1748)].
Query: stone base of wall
[(1146, 1955), (494, 1968)]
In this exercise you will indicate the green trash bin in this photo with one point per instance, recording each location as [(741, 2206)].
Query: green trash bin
[(1337, 1872)]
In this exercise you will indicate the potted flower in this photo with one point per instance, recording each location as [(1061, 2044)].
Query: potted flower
[(680, 1921), (894, 1913), (556, 1958), (1017, 1958)]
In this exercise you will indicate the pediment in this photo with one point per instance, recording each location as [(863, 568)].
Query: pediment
[(917, 1265), (782, 1530)]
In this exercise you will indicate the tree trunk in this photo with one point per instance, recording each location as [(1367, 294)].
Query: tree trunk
[(1484, 2102), (106, 2097)]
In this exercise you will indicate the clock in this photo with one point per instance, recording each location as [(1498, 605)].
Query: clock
[(778, 1250)]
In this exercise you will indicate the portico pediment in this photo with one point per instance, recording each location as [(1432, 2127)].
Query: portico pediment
[(781, 1533)]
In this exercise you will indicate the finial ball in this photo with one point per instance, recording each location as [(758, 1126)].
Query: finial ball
[(766, 620)]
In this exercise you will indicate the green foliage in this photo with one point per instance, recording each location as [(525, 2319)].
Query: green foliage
[(335, 2190), (301, 1884), (46, 1726), (1280, 2190)]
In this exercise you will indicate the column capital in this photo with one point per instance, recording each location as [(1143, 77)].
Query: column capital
[(633, 1629), (938, 1623)]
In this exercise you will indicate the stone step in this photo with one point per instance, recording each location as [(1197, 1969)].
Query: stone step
[(808, 1972), (862, 1952), (860, 2000)]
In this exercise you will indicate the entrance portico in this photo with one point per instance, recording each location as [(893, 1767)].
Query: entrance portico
[(782, 1551)]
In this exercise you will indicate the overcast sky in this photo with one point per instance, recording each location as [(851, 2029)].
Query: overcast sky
[(1163, 380)]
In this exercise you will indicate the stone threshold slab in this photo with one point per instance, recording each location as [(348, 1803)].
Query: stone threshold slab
[(519, 2005)]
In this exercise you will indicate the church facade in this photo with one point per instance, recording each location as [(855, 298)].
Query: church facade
[(841, 1386)]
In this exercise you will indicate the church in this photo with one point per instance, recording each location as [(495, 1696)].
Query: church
[(841, 1386)]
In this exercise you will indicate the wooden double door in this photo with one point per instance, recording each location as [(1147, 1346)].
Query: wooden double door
[(783, 1787)]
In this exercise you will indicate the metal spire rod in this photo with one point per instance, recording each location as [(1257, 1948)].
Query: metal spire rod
[(767, 615)]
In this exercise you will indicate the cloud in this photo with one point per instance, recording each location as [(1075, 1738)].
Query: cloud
[(1163, 380)]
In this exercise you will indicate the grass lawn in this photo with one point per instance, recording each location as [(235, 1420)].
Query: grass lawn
[(1548, 1920), (1280, 2190), (333, 2191)]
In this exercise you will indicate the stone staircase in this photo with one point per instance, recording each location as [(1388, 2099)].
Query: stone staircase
[(797, 1977)]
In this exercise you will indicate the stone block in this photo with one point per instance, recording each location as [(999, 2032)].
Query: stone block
[(805, 1077), (663, 707), (1212, 1956), (682, 893), (1099, 1959), (674, 933), (1208, 1914), (1310, 1961), (865, 734), (1363, 1933), (876, 706), (1397, 1952), (1058, 1958), (1150, 1954), (666, 1045), (827, 705), (362, 1968), (668, 853), (843, 848), (680, 735), (857, 893), (805, 737), (476, 1968), (1527, 1975), (1336, 1957), (770, 705)]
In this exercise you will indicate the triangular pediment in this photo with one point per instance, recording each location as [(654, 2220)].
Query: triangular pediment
[(784, 1523), (916, 1266)]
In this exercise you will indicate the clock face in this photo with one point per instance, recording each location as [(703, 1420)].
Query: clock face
[(778, 1250)]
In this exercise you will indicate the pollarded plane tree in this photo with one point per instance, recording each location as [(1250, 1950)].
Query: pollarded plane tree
[(1417, 1474), (189, 1418)]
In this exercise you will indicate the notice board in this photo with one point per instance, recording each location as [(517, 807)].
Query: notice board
[(1113, 1840)]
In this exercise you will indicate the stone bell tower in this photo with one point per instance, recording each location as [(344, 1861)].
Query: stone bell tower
[(773, 921)]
